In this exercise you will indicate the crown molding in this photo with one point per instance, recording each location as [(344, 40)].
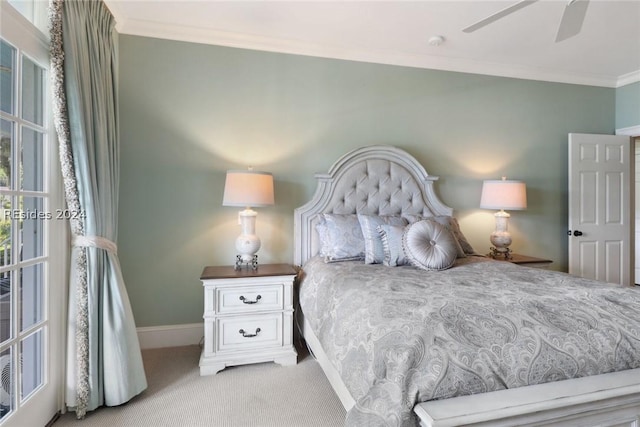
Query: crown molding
[(628, 79), (378, 56), (630, 131)]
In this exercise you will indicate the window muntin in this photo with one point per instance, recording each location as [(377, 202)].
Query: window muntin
[(23, 228)]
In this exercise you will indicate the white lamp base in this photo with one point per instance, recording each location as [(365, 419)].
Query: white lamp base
[(241, 262), (247, 243), (501, 238)]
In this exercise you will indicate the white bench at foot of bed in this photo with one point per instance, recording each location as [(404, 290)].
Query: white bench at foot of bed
[(603, 400)]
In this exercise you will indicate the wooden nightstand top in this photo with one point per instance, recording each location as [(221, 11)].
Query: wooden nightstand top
[(525, 259), (228, 272)]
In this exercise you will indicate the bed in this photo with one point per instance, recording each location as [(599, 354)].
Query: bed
[(482, 343)]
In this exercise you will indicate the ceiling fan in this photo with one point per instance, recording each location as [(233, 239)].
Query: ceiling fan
[(570, 25)]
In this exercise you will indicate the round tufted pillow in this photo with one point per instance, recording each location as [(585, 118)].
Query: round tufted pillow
[(429, 245)]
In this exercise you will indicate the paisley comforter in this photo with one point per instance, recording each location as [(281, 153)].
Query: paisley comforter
[(398, 336)]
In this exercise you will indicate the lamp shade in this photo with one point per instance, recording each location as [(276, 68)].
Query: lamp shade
[(504, 194), (247, 188)]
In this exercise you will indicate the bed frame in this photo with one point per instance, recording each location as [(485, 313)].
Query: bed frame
[(385, 180)]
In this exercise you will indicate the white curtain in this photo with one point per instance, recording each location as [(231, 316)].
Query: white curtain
[(104, 364)]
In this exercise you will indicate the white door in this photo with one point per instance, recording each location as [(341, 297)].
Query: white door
[(600, 209), (636, 144), (32, 238)]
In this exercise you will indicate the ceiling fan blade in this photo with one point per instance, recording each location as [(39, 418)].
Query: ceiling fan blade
[(572, 19), (501, 14)]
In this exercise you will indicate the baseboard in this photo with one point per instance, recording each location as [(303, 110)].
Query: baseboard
[(170, 335)]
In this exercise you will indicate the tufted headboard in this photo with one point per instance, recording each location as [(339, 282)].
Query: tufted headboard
[(374, 180)]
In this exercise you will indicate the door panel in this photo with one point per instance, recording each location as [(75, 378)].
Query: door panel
[(601, 168), (588, 252), (33, 250), (614, 198), (588, 208), (613, 261)]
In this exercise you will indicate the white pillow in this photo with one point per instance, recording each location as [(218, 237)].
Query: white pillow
[(391, 236), (340, 237), (373, 250), (451, 223), (460, 237), (429, 245), (321, 229)]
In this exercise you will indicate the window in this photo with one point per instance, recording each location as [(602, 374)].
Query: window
[(31, 244), (23, 211), (34, 10)]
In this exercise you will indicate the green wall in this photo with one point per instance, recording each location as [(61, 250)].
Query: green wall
[(628, 106), (189, 112)]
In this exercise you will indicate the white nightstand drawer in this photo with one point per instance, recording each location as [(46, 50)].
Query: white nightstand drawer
[(248, 316), (249, 299), (235, 333)]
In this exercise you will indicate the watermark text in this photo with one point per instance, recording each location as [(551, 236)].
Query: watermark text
[(28, 214)]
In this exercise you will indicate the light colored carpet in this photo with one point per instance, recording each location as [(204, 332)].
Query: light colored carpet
[(259, 395)]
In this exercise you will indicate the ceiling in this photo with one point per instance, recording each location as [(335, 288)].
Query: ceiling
[(605, 53)]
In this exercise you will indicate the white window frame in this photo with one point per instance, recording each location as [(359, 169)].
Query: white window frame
[(41, 406)]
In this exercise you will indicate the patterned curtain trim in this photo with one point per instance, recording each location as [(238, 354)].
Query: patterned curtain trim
[(61, 122)]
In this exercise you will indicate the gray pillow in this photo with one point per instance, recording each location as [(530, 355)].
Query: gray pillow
[(457, 232), (451, 223), (373, 251), (321, 228), (342, 239), (429, 245), (391, 236)]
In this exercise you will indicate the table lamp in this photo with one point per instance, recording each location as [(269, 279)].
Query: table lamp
[(502, 194), (248, 188)]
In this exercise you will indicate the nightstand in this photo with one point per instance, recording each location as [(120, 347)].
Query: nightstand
[(248, 316), (528, 261)]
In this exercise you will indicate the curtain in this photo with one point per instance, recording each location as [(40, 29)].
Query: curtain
[(104, 363)]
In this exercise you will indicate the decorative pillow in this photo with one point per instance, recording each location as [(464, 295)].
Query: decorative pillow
[(321, 228), (343, 239), (373, 251), (457, 232), (429, 245), (451, 223), (391, 236)]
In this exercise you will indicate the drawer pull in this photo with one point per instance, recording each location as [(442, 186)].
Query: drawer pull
[(246, 335), (246, 301)]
